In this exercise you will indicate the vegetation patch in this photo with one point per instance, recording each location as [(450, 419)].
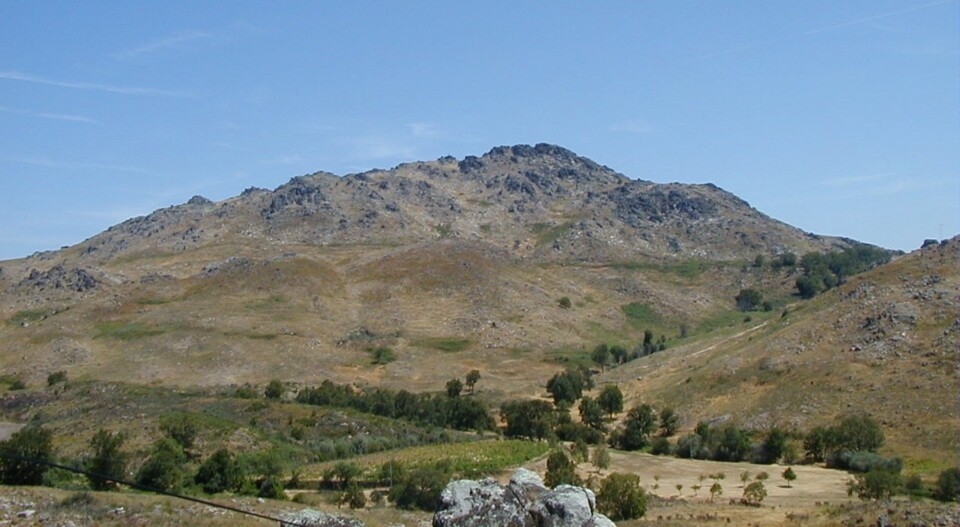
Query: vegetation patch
[(125, 330), (690, 268), (448, 344), (640, 314), (30, 316), (547, 233)]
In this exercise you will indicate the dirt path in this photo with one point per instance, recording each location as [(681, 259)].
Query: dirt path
[(727, 339), (8, 429)]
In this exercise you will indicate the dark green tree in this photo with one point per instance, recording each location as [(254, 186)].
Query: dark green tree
[(275, 389), (878, 484), (182, 428), (816, 443), (749, 299), (789, 475), (220, 472), (531, 419), (108, 460), (561, 470), (773, 447), (472, 379), (164, 468), (30, 443), (669, 422), (621, 497), (601, 355), (591, 413), (948, 485), (641, 421), (419, 489), (454, 387), (611, 399)]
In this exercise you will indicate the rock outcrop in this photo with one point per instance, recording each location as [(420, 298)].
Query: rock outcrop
[(524, 502)]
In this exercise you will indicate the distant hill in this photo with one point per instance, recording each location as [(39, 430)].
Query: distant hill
[(462, 264)]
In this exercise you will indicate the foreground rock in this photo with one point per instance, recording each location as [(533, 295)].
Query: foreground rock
[(314, 518), (525, 502)]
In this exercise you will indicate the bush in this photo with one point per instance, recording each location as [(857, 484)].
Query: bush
[(948, 485), (56, 378), (754, 493), (270, 487), (107, 460), (621, 497), (863, 461), (877, 484), (661, 446), (382, 355), (561, 470), (749, 299), (565, 303), (419, 489), (274, 389), (221, 472), (32, 442), (164, 468), (182, 428)]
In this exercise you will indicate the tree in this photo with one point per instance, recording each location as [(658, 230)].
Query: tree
[(789, 475), (579, 450), (808, 286), (611, 399), (561, 470), (30, 443), (669, 422), (948, 485), (164, 468), (878, 484), (619, 354), (600, 458), (454, 387), (749, 299), (182, 428), (419, 488), (715, 490), (621, 497), (530, 419), (591, 413), (220, 472), (568, 386), (343, 473), (816, 443), (382, 355), (354, 497), (275, 389), (754, 493), (639, 424), (601, 355), (762, 476), (107, 460), (744, 477), (773, 446), (858, 433), (472, 379)]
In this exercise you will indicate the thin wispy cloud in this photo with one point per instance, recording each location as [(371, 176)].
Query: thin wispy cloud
[(424, 129), (91, 86), (76, 165), (170, 42), (46, 115), (851, 181), (824, 29)]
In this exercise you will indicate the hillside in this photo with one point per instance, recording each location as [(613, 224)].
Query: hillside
[(470, 255), (885, 343)]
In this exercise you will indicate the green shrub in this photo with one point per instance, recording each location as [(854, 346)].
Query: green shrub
[(948, 485), (32, 442), (56, 378), (621, 497)]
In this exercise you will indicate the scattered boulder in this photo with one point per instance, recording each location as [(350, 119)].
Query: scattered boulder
[(315, 518), (524, 502)]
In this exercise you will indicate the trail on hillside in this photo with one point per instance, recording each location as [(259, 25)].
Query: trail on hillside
[(728, 339)]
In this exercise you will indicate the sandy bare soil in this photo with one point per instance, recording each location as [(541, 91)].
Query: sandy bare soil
[(8, 429)]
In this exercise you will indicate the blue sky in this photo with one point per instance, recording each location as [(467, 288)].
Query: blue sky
[(838, 117)]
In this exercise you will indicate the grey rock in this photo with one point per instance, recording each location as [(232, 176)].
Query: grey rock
[(524, 502), (315, 518)]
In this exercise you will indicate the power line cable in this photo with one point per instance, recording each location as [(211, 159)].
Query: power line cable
[(283, 523)]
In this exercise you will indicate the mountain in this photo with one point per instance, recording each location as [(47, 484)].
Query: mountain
[(462, 264)]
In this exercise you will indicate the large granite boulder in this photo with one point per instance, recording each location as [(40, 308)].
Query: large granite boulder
[(524, 502)]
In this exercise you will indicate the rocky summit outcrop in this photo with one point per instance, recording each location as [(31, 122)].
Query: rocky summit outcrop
[(524, 502)]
